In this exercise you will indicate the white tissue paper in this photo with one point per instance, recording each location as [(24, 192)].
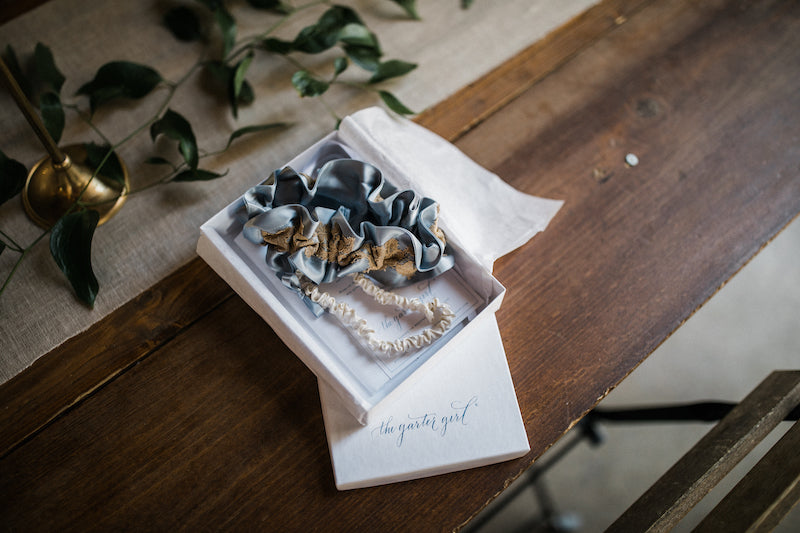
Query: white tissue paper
[(462, 412)]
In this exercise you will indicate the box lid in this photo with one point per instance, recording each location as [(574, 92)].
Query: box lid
[(462, 413)]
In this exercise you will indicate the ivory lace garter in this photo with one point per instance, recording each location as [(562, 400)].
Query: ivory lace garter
[(349, 221)]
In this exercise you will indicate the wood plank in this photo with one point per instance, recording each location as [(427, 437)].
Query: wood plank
[(481, 99), (209, 422), (61, 379), (209, 430), (766, 494), (670, 498)]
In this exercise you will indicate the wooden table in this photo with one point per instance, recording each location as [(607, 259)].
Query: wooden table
[(160, 417)]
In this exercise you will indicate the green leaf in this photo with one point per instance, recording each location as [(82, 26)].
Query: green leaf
[(340, 65), (111, 169), (219, 71), (227, 24), (340, 16), (12, 63), (156, 160), (224, 77), (52, 114), (313, 40), (365, 57), (183, 23), (177, 128), (325, 33), (197, 174), (359, 35), (246, 95), (277, 46), (271, 5), (391, 69), (394, 104), (120, 79), (410, 7), (12, 177), (466, 3), (308, 85), (238, 81), (253, 129), (46, 69), (71, 247)]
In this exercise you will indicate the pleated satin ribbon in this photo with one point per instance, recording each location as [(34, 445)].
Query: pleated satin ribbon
[(347, 219)]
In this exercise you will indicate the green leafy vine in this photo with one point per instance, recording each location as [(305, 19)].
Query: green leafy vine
[(339, 28)]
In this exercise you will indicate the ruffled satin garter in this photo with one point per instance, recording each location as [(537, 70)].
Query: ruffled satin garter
[(348, 221)]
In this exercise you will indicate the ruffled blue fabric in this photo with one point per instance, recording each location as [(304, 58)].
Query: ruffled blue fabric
[(362, 216)]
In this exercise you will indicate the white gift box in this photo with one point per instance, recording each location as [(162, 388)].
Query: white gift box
[(461, 413), (474, 214)]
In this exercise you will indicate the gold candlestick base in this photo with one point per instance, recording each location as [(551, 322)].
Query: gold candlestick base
[(51, 189)]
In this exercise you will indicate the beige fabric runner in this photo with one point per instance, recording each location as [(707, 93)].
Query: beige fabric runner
[(156, 231)]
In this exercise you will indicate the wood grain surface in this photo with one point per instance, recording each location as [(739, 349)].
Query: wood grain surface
[(164, 416)]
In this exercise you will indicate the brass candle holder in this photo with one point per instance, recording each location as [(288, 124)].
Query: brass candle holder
[(56, 183)]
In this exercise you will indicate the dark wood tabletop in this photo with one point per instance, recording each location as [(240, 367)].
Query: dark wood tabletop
[(162, 417)]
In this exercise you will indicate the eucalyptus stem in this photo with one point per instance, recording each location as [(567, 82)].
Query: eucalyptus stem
[(356, 85), (248, 42), (171, 88), (330, 110), (13, 270), (23, 253), (295, 62), (13, 244), (366, 87), (160, 181), (88, 121)]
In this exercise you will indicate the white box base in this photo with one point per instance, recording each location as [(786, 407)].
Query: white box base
[(359, 376)]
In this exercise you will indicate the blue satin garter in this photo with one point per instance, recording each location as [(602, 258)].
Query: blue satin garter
[(347, 219)]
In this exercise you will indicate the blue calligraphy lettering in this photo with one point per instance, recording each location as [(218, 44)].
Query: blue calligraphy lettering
[(428, 421)]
